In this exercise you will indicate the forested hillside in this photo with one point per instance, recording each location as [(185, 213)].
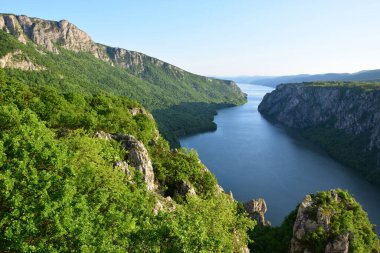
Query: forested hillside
[(65, 188), (83, 167), (40, 52)]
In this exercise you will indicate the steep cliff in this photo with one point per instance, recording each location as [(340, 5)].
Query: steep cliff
[(341, 117), (61, 54)]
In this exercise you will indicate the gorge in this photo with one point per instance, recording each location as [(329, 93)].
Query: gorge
[(254, 158), (90, 159)]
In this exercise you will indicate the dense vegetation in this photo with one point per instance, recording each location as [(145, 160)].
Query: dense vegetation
[(347, 217), (59, 190), (182, 103), (273, 239)]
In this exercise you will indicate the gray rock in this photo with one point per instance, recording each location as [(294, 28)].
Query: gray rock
[(137, 111), (163, 205), (49, 34), (354, 111), (339, 245), (103, 135), (18, 60), (256, 209), (138, 157), (305, 224)]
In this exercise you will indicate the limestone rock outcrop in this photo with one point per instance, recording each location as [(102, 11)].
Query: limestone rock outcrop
[(50, 34), (339, 245), (137, 156), (308, 222), (163, 204), (137, 62), (256, 208), (17, 60), (123, 166)]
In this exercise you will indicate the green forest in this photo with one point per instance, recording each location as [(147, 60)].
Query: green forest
[(62, 191), (182, 103)]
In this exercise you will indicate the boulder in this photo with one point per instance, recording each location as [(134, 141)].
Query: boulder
[(256, 209)]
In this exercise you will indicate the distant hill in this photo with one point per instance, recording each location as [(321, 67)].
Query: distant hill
[(365, 75)]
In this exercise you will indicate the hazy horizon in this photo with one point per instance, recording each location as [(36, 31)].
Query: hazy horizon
[(225, 38)]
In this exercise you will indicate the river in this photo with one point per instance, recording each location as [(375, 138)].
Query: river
[(256, 159)]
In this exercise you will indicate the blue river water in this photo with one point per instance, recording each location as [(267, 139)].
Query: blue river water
[(254, 158)]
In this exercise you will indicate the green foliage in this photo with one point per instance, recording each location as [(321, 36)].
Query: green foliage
[(347, 217), (60, 192), (181, 165), (7, 44), (70, 110), (198, 228), (182, 103), (273, 239), (59, 196)]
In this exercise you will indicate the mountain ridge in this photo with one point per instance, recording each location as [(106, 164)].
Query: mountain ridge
[(70, 37), (273, 81)]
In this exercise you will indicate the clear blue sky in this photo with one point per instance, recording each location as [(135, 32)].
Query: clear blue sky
[(229, 37)]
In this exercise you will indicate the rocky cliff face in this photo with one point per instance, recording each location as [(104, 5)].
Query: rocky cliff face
[(135, 61), (50, 34), (347, 110)]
